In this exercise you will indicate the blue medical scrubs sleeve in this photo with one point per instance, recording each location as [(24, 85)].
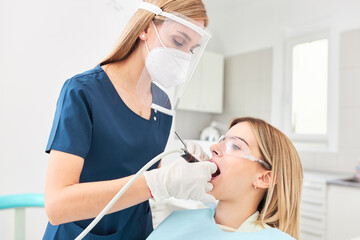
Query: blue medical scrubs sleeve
[(72, 127)]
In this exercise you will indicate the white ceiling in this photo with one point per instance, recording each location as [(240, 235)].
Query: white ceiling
[(219, 4)]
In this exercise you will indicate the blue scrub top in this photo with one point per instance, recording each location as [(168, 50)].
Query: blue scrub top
[(199, 224), (92, 121)]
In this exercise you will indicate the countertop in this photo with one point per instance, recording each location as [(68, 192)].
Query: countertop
[(348, 182), (341, 179)]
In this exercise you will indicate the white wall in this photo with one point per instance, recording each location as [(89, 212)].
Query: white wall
[(247, 26), (42, 43), (247, 90), (243, 26)]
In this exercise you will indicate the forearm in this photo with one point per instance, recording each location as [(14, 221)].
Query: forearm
[(86, 200)]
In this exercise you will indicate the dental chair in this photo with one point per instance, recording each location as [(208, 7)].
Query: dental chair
[(19, 202)]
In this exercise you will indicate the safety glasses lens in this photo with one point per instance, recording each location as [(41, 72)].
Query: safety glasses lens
[(234, 146)]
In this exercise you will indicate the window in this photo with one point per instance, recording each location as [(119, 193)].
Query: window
[(309, 87), (309, 93)]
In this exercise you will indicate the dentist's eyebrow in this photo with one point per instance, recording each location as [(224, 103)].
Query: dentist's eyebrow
[(185, 35), (188, 38), (241, 140)]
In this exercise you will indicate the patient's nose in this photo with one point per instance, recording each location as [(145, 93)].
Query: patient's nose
[(216, 150)]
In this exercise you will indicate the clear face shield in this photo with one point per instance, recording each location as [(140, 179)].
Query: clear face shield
[(237, 147), (173, 55)]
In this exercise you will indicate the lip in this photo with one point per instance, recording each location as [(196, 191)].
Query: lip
[(218, 169)]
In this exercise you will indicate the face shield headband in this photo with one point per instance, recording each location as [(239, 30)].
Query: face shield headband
[(155, 9)]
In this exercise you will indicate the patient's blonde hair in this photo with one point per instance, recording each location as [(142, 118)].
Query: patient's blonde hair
[(129, 38), (280, 206)]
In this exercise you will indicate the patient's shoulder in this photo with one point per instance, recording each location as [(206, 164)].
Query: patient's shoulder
[(192, 213), (276, 234), (182, 224)]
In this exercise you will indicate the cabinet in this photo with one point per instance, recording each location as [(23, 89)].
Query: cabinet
[(313, 209), (317, 203), (205, 90), (343, 212)]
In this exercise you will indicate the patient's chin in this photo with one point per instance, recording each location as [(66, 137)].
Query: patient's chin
[(224, 194), (215, 193)]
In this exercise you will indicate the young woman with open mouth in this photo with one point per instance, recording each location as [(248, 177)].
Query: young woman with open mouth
[(258, 185)]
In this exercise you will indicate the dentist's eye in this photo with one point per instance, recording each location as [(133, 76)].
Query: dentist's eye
[(177, 43)]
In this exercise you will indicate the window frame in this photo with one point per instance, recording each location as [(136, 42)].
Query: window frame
[(311, 142)]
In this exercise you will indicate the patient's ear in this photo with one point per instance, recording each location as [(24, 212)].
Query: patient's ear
[(264, 180)]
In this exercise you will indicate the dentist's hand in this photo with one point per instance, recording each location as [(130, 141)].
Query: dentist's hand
[(182, 180), (197, 151)]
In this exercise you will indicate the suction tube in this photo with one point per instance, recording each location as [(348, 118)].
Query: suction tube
[(123, 189)]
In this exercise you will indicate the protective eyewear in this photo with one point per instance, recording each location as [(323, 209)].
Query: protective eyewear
[(237, 147)]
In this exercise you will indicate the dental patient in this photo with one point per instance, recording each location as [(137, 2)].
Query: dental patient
[(258, 185)]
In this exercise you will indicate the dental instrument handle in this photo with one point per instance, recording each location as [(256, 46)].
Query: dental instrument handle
[(122, 190), (188, 157)]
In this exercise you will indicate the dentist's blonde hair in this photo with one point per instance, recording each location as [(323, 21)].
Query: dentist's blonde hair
[(129, 38), (280, 206)]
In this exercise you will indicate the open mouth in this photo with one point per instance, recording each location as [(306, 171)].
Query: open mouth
[(217, 173)]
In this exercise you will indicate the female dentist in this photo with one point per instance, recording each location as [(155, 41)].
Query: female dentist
[(113, 119)]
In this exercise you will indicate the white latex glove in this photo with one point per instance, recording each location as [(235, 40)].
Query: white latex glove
[(182, 180), (196, 150)]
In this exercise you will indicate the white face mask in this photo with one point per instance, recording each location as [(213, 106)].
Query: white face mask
[(167, 66)]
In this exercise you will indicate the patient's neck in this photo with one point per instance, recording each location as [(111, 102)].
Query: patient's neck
[(233, 213)]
